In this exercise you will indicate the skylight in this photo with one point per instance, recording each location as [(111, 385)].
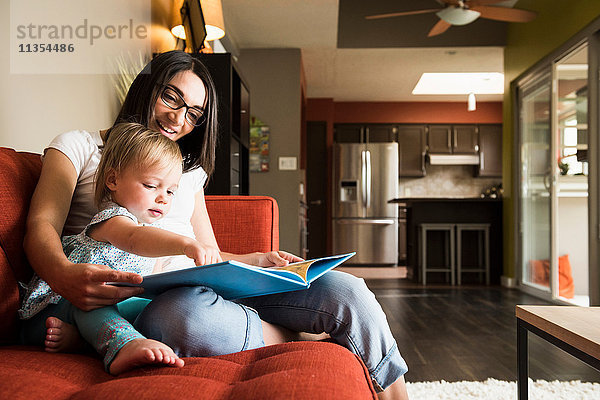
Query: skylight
[(460, 83)]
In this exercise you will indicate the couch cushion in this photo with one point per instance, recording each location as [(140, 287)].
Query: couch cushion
[(275, 372), (19, 173), (244, 224)]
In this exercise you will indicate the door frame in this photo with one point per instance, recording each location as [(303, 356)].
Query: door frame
[(590, 35)]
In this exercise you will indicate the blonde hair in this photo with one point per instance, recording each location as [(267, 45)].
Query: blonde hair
[(133, 145)]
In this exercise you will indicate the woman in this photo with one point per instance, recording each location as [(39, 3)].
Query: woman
[(175, 95)]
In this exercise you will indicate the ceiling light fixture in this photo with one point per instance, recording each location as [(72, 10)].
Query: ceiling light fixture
[(471, 102), (458, 15)]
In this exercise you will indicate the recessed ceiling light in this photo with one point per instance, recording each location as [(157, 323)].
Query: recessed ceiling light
[(460, 83)]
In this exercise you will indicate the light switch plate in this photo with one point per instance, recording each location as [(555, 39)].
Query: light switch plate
[(288, 163)]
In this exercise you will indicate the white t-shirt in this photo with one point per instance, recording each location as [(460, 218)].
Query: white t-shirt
[(81, 148)]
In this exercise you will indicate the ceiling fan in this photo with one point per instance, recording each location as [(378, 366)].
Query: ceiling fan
[(462, 12)]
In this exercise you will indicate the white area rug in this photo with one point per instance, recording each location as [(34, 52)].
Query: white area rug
[(493, 389)]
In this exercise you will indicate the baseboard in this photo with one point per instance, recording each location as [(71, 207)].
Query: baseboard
[(508, 281)]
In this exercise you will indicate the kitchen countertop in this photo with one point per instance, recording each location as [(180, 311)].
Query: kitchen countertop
[(437, 199)]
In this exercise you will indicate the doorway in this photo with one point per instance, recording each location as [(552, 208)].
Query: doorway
[(316, 188)]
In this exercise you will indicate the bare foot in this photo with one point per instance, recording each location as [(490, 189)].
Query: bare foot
[(62, 337), (140, 352)]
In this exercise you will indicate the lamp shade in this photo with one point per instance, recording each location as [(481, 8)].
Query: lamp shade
[(175, 21), (457, 15), (213, 18)]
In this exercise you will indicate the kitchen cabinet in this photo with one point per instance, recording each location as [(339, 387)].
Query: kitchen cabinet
[(231, 175), (360, 133), (453, 139), (381, 133), (349, 133), (411, 144), (490, 151)]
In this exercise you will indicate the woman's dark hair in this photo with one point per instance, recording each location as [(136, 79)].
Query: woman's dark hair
[(197, 147)]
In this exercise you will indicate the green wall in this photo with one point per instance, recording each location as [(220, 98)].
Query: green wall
[(527, 43)]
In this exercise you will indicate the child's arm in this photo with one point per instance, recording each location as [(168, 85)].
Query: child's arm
[(149, 241)]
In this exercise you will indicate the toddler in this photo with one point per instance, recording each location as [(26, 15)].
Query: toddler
[(138, 174)]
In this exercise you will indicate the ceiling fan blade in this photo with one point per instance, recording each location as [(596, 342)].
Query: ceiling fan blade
[(505, 14), (399, 14), (439, 28)]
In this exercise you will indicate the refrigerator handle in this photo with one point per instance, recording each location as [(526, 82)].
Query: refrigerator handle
[(368, 157), (363, 177)]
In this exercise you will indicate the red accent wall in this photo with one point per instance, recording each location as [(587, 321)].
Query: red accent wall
[(417, 112)]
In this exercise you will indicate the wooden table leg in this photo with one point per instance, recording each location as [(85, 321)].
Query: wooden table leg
[(522, 361)]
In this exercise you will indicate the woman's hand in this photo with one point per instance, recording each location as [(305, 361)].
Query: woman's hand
[(202, 254), (85, 285), (275, 259)]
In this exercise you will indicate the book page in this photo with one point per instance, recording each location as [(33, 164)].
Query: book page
[(299, 268)]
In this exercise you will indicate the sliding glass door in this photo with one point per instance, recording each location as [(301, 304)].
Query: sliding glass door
[(535, 200), (553, 195), (572, 226)]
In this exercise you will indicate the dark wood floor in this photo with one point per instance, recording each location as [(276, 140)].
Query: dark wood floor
[(468, 333)]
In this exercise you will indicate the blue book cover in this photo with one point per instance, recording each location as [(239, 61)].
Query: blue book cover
[(236, 280)]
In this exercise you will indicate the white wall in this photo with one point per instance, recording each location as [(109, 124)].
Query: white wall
[(35, 108), (273, 77)]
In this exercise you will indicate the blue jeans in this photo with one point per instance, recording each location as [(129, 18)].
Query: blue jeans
[(197, 322)]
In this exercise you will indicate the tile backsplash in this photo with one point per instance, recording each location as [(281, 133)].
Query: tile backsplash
[(446, 181)]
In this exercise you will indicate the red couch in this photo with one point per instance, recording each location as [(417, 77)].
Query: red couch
[(298, 370)]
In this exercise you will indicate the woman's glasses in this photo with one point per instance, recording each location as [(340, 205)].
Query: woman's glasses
[(172, 99)]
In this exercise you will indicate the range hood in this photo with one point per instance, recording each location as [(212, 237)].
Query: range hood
[(453, 159)]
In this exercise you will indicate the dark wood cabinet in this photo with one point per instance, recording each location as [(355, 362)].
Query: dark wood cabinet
[(411, 145), (453, 139), (412, 140), (231, 175), (439, 139), (349, 133), (380, 133), (359, 133), (490, 151), (465, 139)]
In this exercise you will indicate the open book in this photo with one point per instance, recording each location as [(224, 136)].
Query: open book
[(235, 280)]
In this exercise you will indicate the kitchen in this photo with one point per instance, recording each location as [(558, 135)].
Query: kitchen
[(434, 185), (364, 73)]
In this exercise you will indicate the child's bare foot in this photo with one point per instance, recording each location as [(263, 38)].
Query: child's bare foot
[(62, 337), (140, 352)]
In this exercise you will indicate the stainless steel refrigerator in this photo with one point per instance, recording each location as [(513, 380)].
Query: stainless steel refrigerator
[(365, 179)]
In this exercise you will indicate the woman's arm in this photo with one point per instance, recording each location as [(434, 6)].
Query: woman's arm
[(148, 241), (81, 284), (205, 234)]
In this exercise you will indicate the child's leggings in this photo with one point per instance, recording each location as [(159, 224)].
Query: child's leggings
[(105, 329)]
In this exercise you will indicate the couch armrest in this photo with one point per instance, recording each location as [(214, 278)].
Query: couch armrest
[(244, 224)]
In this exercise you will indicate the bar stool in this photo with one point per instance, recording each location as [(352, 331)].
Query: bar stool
[(483, 250), (449, 250)]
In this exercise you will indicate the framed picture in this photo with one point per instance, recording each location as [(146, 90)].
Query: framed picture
[(259, 147)]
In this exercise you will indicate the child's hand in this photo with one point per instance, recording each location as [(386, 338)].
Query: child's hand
[(202, 255), (275, 259)]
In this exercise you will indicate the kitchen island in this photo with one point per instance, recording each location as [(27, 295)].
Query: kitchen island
[(452, 211)]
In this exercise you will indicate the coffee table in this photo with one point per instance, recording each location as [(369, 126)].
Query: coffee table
[(575, 330)]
